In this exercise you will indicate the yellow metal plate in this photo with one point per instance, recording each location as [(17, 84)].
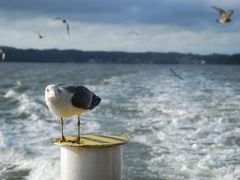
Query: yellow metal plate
[(94, 141)]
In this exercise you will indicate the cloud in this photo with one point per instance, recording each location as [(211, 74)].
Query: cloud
[(116, 37), (166, 25), (181, 13), (192, 14)]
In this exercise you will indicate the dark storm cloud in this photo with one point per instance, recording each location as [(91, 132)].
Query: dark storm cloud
[(173, 12)]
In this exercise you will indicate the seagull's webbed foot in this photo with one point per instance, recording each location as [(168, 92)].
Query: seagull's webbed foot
[(77, 140), (63, 139)]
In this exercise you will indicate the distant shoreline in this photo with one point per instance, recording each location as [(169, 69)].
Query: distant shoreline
[(114, 57)]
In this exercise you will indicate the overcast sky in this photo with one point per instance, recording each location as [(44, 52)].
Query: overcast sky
[(121, 25)]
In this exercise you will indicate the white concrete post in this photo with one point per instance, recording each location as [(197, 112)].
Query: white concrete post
[(99, 157)]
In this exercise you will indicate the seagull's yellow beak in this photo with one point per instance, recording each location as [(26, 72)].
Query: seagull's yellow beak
[(55, 97)]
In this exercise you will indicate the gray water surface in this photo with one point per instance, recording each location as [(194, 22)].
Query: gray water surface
[(178, 129)]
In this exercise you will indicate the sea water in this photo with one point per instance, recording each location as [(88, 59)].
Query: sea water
[(178, 129)]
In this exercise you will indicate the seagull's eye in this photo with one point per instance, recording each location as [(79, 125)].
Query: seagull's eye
[(47, 90)]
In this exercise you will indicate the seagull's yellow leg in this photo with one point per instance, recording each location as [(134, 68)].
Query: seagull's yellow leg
[(63, 138), (78, 139), (78, 125)]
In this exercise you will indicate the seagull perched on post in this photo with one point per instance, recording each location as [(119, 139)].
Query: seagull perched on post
[(224, 16), (67, 101), (65, 22)]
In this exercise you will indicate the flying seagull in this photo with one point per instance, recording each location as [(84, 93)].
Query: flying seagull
[(224, 16), (65, 22), (175, 74), (67, 101), (2, 54), (39, 35)]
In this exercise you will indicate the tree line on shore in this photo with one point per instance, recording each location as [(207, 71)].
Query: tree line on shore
[(79, 56)]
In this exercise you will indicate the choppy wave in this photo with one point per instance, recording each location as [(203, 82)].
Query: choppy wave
[(178, 129)]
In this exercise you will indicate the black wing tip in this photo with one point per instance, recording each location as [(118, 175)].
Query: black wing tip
[(96, 101)]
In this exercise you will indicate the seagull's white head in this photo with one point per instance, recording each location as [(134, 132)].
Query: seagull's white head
[(52, 92)]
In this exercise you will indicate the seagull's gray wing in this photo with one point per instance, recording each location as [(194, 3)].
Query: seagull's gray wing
[(83, 98), (220, 10), (229, 14)]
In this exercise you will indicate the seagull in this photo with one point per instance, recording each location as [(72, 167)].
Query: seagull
[(175, 74), (224, 16), (39, 35), (67, 101), (65, 22), (2, 54)]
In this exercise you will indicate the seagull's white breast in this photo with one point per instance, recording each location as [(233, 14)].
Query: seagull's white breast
[(62, 107)]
